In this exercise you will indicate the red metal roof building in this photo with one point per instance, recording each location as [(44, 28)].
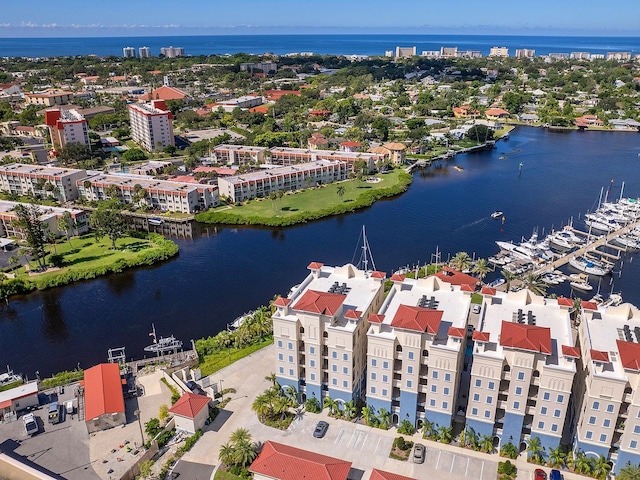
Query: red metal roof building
[(190, 412), (103, 398), (382, 475), (282, 462)]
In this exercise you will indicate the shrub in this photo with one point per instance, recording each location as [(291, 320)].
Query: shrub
[(61, 378), (509, 450), (406, 428), (507, 470), (164, 438), (312, 405)]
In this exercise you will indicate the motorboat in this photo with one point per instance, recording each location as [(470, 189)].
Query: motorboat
[(627, 242), (589, 266), (163, 344), (497, 214), (155, 221), (9, 377), (497, 282), (583, 286), (614, 300)]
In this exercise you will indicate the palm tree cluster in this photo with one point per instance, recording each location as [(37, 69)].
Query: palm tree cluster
[(439, 433), (273, 406), (239, 452), (381, 420), (348, 410), (595, 467)]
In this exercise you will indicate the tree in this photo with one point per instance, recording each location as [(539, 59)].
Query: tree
[(51, 238), (74, 152), (340, 191), (581, 463), (406, 428), (108, 221), (349, 409), (629, 472), (13, 261), (163, 413), (170, 149), (481, 268), (152, 427), (509, 450), (479, 133), (134, 155), (509, 277), (469, 438), (331, 404), (557, 458), (145, 469), (381, 127), (600, 468), (367, 415), (533, 282), (461, 261), (66, 224), (28, 220), (445, 434), (535, 450), (384, 418), (428, 429)]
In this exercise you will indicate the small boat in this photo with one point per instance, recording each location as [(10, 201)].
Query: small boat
[(589, 266), (496, 214), (237, 323), (9, 377), (164, 344), (501, 157), (458, 168), (497, 282), (584, 286), (155, 221)]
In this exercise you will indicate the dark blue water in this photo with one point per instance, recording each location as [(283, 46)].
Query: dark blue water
[(322, 44), (227, 271)]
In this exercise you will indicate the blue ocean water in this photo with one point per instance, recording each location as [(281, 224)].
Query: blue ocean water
[(372, 44)]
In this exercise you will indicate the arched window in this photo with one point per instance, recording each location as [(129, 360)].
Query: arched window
[(506, 368), (399, 348), (301, 329)]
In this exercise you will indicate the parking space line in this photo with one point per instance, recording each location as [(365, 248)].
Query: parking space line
[(364, 441), (339, 436), (453, 462), (466, 470), (378, 444), (438, 461), (481, 470)]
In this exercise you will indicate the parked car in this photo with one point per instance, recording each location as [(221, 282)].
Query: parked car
[(539, 474), (30, 424), (475, 308), (54, 413), (195, 388), (419, 452), (321, 429), (555, 475)]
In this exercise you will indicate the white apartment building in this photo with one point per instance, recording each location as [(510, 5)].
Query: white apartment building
[(291, 156), (580, 56), (172, 52), (163, 195), (522, 369), (264, 67), (320, 331), (609, 407), (499, 52), (415, 350), (144, 52), (239, 154), (525, 53), (24, 179), (49, 217), (405, 52), (67, 126), (247, 186), (620, 56), (246, 101), (129, 52), (151, 125)]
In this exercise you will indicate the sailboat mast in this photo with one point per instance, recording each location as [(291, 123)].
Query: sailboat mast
[(621, 191)]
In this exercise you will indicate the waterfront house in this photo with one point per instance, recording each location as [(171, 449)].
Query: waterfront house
[(190, 412), (16, 399), (496, 113), (103, 397)]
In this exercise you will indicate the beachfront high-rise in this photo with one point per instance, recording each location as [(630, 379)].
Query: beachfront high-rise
[(129, 52), (320, 331), (608, 401), (151, 125), (144, 52)]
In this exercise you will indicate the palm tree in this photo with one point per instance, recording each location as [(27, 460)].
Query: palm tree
[(384, 418), (461, 261), (23, 251), (273, 196), (227, 454), (428, 429), (65, 224), (581, 463), (262, 406), (576, 310), (535, 449), (469, 438), (481, 268), (350, 409), (340, 191), (600, 468), (629, 472), (331, 404), (367, 414), (273, 379), (486, 443), (240, 435), (13, 261), (244, 454), (292, 396), (533, 282), (445, 434), (51, 237), (280, 194), (508, 277), (557, 458)]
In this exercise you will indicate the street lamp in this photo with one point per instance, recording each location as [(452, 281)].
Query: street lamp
[(137, 414)]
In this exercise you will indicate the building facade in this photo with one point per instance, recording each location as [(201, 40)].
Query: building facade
[(24, 179), (144, 52), (172, 52), (499, 52), (525, 53), (129, 52), (49, 99), (50, 217), (239, 154), (67, 126), (320, 331), (151, 125)]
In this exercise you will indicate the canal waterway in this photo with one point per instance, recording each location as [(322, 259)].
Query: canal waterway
[(223, 271)]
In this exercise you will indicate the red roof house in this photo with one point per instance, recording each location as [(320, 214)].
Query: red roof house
[(190, 412), (104, 401), (282, 462), (324, 303), (417, 319), (165, 93), (526, 337), (454, 277)]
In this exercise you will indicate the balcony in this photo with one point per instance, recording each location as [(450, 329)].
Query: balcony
[(535, 381), (502, 404), (396, 383), (506, 376), (423, 388), (397, 365), (627, 397), (424, 371), (325, 352)]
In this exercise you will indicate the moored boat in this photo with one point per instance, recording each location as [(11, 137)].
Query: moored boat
[(164, 344), (497, 214)]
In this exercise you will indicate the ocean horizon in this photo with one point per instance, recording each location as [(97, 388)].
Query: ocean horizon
[(319, 43)]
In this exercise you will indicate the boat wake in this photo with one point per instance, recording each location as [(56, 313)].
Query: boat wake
[(475, 222)]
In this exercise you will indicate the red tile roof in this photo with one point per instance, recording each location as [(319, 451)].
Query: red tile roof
[(382, 475), (283, 462), (565, 302), (568, 351), (315, 266), (396, 277), (351, 144), (282, 302), (496, 111), (629, 354), (467, 288), (589, 305), (324, 303), (103, 391), (378, 274), (599, 356), (481, 336), (189, 405), (376, 318), (488, 291), (457, 332), (352, 314), (184, 179), (526, 337), (454, 277), (277, 94), (418, 319), (260, 109), (165, 93)]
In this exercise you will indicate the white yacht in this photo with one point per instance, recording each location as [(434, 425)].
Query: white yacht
[(589, 266)]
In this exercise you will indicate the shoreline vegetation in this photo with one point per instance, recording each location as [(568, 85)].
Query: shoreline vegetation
[(85, 258), (311, 203)]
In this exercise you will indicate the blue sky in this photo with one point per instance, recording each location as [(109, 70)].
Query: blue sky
[(184, 17)]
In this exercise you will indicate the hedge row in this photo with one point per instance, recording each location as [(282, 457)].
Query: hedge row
[(365, 199)]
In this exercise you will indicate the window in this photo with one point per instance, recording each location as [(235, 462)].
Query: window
[(556, 413), (518, 390), (520, 375), (280, 357), (492, 385), (334, 354), (588, 435), (560, 398), (290, 358), (312, 350), (434, 375), (516, 405), (384, 392), (410, 355), (606, 423), (312, 363), (281, 369), (334, 368), (373, 390), (409, 383), (385, 379), (554, 427), (592, 420), (447, 377), (373, 376), (478, 383), (474, 412), (543, 411), (385, 365), (374, 362), (434, 389), (603, 438), (633, 444), (345, 384), (595, 406), (279, 343), (432, 402), (445, 405), (290, 346), (489, 400), (334, 381), (345, 370), (636, 429), (540, 425), (446, 390), (487, 414), (546, 396), (313, 377), (409, 369), (476, 397), (345, 357), (610, 408)]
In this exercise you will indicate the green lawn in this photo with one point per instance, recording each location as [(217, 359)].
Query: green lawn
[(309, 204), (218, 360), (222, 475)]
